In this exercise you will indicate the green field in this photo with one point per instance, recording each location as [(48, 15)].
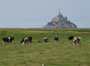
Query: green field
[(50, 54)]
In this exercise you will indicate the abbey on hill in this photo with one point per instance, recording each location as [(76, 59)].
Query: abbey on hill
[(60, 22)]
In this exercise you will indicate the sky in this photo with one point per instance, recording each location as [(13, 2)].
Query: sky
[(37, 13)]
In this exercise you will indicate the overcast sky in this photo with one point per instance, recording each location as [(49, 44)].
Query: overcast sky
[(36, 13)]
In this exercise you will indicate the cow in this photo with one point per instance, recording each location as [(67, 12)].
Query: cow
[(26, 40), (45, 39), (75, 40), (8, 40), (56, 39)]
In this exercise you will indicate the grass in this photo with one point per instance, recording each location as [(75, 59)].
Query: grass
[(50, 54)]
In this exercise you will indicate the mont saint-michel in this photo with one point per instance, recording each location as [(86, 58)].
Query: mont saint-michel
[(60, 22)]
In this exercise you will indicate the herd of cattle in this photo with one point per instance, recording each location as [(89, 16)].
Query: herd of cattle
[(25, 40)]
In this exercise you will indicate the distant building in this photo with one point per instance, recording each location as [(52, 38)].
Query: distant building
[(60, 22)]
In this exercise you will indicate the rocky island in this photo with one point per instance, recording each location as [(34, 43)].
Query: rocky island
[(60, 22)]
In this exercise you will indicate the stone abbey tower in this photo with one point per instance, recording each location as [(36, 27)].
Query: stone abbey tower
[(60, 22)]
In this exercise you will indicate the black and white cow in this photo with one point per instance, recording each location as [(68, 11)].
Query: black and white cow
[(75, 40), (26, 40), (8, 40), (45, 39), (56, 39)]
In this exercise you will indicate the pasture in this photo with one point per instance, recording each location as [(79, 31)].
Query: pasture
[(50, 54)]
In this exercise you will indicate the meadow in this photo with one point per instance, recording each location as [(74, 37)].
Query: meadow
[(50, 54)]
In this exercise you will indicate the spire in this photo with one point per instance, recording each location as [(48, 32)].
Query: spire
[(59, 14)]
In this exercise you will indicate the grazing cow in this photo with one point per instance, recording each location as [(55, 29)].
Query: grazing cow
[(8, 39), (45, 39), (75, 40), (26, 40), (56, 39)]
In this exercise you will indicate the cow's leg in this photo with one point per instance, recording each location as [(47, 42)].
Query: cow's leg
[(56, 42), (23, 43), (3, 42), (28, 42), (43, 64), (74, 43), (79, 42)]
